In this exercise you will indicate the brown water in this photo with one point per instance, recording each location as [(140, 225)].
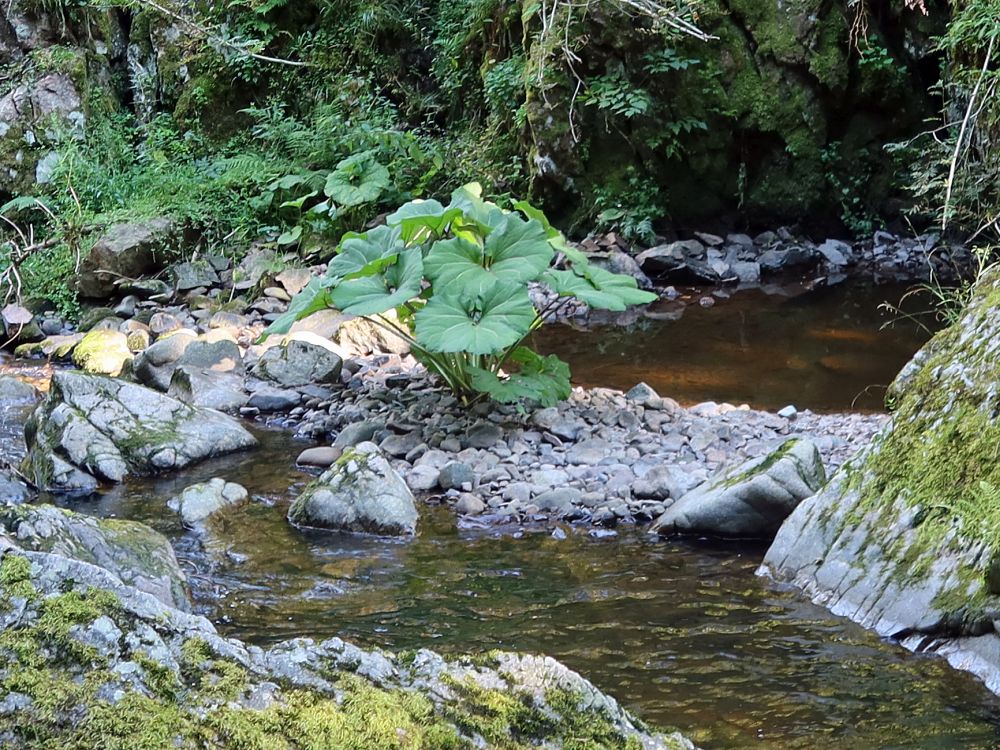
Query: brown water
[(829, 350), (682, 633)]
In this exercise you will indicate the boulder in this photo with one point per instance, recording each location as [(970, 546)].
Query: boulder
[(198, 502), (212, 390), (102, 352), (749, 500), (12, 490), (132, 551), (360, 492), (297, 363), (15, 392), (126, 251), (92, 428), (144, 671), (904, 538)]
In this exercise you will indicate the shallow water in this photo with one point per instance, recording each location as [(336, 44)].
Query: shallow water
[(682, 633), (829, 350)]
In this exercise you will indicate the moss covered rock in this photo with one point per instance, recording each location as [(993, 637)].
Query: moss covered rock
[(88, 662), (102, 351), (92, 428), (906, 538)]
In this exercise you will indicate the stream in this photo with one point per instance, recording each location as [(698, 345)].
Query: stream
[(681, 632)]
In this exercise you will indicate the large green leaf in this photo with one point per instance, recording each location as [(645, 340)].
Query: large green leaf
[(419, 220), (397, 283), (518, 250), (456, 265), (357, 179), (599, 288), (544, 380), (485, 323), (313, 298), (478, 217), (365, 254)]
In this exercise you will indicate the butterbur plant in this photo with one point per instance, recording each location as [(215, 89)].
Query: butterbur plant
[(453, 282)]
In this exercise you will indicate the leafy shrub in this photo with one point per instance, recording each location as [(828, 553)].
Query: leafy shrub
[(453, 281)]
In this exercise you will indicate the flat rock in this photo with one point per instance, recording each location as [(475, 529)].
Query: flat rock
[(321, 457), (198, 502)]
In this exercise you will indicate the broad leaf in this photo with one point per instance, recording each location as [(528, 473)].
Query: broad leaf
[(544, 380), (478, 217), (312, 298), (369, 295), (418, 219), (357, 179), (518, 250), (599, 288), (485, 323), (365, 254), (456, 265)]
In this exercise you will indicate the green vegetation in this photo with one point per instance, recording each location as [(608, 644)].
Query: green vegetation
[(453, 282)]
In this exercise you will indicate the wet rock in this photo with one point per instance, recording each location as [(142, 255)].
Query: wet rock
[(836, 252), (12, 490), (483, 435), (269, 399), (749, 500), (297, 363), (126, 251), (95, 427), (469, 505), (359, 432), (15, 392), (361, 492), (198, 502), (131, 551)]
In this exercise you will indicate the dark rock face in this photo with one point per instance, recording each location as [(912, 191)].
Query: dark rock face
[(92, 428), (126, 251), (904, 539)]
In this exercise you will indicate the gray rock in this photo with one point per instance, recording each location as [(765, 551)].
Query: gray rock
[(269, 399), (193, 275), (155, 366), (456, 475), (423, 478), (749, 500), (362, 493), (12, 490), (126, 251), (836, 252), (664, 482), (299, 363), (469, 505), (131, 551), (15, 392), (559, 500), (222, 355), (398, 446), (205, 388), (483, 435), (359, 432), (198, 502), (92, 427), (321, 457)]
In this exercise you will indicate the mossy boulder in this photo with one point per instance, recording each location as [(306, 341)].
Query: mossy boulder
[(750, 499), (90, 662), (92, 428), (132, 551), (360, 492), (102, 351), (906, 537)]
